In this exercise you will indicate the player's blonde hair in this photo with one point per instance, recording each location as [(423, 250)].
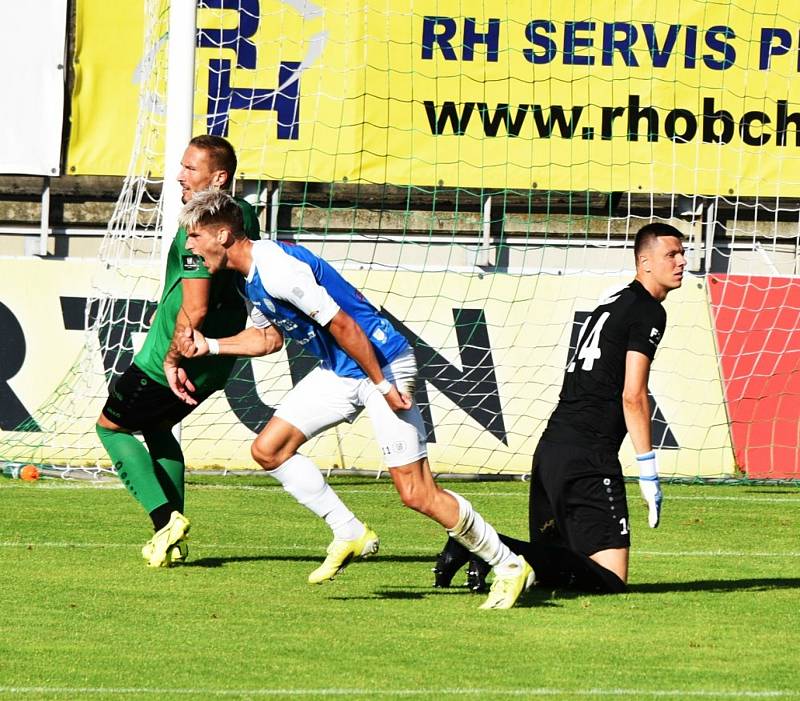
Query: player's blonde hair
[(212, 206)]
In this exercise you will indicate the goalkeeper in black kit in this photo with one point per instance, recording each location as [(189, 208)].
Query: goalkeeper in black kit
[(578, 514)]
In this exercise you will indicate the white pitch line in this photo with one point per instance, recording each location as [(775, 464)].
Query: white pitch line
[(278, 548), (523, 492), (405, 693), (65, 484), (277, 489), (768, 500), (714, 553)]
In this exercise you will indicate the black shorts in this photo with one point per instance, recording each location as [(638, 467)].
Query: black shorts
[(138, 403), (578, 499)]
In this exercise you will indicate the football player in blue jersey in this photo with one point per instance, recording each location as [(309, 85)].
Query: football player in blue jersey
[(365, 364)]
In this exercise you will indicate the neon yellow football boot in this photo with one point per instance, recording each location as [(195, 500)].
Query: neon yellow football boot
[(177, 555), (341, 552), (505, 590), (161, 544)]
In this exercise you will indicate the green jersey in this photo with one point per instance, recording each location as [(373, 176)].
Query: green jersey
[(226, 314)]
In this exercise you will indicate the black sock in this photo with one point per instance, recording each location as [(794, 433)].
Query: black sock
[(160, 516)]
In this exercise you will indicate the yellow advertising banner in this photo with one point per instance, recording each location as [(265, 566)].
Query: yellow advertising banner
[(108, 62), (641, 95), (491, 351)]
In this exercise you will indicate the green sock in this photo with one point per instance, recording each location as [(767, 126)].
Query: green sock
[(134, 467), (168, 463)]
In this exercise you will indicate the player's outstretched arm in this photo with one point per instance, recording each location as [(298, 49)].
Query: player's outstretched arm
[(352, 339), (253, 342), (636, 408)]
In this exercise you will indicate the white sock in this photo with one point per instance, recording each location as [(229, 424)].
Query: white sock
[(303, 480), (480, 538)]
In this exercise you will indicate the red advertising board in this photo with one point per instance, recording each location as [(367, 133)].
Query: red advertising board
[(757, 327)]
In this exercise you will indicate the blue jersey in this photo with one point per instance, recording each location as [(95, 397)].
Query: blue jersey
[(299, 293)]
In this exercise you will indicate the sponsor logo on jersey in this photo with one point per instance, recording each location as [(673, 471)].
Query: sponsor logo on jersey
[(191, 263), (267, 302), (655, 336), (310, 334)]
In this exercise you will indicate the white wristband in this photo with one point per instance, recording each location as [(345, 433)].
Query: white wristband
[(647, 465), (384, 386), (213, 346)]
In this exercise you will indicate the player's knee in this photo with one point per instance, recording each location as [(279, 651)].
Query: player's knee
[(267, 455), (105, 424), (416, 497)]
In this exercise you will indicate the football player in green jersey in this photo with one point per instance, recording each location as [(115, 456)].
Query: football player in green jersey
[(140, 399)]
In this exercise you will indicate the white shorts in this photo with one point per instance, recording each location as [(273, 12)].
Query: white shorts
[(322, 400)]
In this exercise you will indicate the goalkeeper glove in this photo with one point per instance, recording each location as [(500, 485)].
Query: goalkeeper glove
[(650, 487)]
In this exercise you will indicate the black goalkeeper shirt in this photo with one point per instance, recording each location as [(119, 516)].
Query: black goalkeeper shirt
[(589, 411)]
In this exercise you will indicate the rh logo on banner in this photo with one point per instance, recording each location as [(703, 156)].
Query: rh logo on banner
[(223, 96)]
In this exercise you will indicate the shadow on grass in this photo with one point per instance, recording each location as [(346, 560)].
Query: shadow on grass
[(538, 596), (313, 558), (531, 599), (705, 585), (222, 561), (717, 585)]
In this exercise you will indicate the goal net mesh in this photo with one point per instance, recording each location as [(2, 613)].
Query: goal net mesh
[(479, 171)]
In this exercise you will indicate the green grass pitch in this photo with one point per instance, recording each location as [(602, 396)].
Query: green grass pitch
[(712, 611)]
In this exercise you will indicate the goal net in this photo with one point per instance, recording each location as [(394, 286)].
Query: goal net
[(479, 171)]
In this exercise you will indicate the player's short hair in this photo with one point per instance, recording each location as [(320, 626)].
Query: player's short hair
[(212, 207), (220, 153), (650, 232)]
